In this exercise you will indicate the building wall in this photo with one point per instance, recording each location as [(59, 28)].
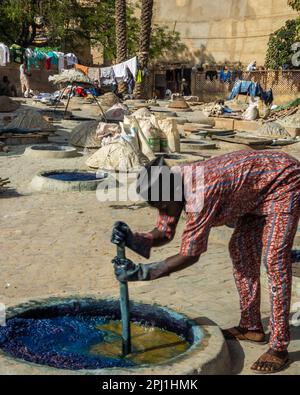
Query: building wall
[(38, 80), (223, 30)]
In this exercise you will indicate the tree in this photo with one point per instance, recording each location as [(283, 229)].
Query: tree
[(121, 30), (145, 41), (295, 4), (121, 37), (280, 45), (69, 23)]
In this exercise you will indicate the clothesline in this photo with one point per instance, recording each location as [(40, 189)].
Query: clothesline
[(34, 57), (127, 71)]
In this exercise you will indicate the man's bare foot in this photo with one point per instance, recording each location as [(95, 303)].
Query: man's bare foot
[(271, 362), (243, 334)]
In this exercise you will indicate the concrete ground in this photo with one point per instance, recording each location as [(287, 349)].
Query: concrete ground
[(59, 245)]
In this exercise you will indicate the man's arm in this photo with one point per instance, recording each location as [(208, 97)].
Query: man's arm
[(126, 270), (142, 243), (175, 264)]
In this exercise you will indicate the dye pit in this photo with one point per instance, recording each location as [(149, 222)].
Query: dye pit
[(73, 176), (55, 148), (63, 338)]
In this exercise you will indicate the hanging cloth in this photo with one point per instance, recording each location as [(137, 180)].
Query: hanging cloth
[(16, 53), (4, 55), (139, 77), (82, 68)]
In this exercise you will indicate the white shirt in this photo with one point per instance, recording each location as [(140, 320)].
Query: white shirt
[(251, 67), (71, 59), (4, 55)]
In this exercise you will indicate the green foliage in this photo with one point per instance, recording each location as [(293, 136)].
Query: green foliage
[(280, 43), (69, 22), (295, 4)]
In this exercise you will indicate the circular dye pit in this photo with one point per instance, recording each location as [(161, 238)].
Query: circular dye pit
[(51, 151), (67, 181), (83, 336)]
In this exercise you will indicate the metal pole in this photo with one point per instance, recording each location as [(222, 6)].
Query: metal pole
[(124, 303)]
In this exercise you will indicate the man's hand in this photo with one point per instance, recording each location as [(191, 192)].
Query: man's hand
[(122, 234), (126, 270)]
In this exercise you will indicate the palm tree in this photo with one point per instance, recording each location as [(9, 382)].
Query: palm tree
[(121, 37), (145, 41)]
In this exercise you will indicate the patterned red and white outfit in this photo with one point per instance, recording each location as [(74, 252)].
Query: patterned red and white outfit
[(259, 193)]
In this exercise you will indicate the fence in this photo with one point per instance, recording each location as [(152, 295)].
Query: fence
[(285, 84)]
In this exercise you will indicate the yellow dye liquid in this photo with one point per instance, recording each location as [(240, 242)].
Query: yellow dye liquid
[(150, 345)]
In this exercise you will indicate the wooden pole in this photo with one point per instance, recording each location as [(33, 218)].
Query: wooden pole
[(124, 303)]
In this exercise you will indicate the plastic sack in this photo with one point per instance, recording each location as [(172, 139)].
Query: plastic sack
[(117, 112), (107, 129), (84, 135), (119, 155), (169, 129), (151, 133), (252, 113)]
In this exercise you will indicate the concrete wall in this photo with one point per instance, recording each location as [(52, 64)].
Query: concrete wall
[(224, 30)]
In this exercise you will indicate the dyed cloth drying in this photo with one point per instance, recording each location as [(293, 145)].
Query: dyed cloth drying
[(4, 55), (252, 89), (258, 193), (225, 76), (82, 68), (107, 76)]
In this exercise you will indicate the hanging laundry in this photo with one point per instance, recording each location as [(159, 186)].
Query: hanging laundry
[(129, 79), (71, 59), (132, 64), (211, 74), (120, 69), (94, 75), (139, 77), (39, 54), (53, 57), (108, 76), (4, 55), (48, 64), (31, 59), (16, 53), (225, 76), (61, 61), (82, 68)]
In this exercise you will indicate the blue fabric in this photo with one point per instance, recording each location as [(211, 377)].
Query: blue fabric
[(225, 77), (54, 58), (252, 89)]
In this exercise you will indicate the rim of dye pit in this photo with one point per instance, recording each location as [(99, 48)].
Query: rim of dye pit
[(67, 180), (200, 358), (51, 151)]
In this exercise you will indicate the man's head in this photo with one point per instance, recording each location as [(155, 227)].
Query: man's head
[(159, 185), (5, 79)]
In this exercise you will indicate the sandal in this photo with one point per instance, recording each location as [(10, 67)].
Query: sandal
[(271, 362), (243, 334)]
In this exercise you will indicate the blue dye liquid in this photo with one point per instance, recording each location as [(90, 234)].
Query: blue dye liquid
[(69, 176), (62, 342)]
